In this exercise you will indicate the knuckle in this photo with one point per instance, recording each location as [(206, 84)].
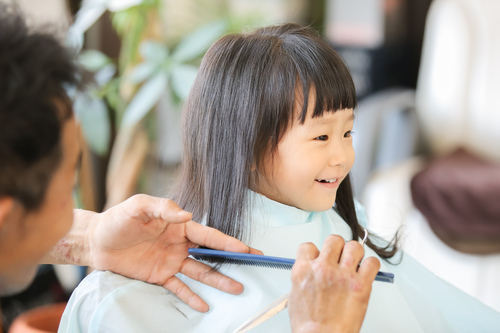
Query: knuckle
[(180, 290), (374, 263), (336, 239), (323, 272), (354, 245), (138, 197), (371, 264), (355, 248), (357, 286), (166, 202), (306, 246), (299, 271), (169, 205), (361, 290)]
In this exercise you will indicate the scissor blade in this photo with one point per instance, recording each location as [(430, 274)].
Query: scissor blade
[(271, 310)]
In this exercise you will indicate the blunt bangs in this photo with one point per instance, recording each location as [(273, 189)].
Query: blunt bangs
[(300, 60)]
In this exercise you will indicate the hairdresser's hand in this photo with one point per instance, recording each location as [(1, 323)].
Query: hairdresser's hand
[(147, 238), (329, 293)]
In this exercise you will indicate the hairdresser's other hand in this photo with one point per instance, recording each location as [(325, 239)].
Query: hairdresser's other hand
[(147, 238), (329, 293)]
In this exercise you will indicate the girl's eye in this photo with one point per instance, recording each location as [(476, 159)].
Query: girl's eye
[(322, 138), (348, 134)]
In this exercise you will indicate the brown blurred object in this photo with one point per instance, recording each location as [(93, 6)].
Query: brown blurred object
[(458, 195), (44, 319), (127, 159), (86, 176)]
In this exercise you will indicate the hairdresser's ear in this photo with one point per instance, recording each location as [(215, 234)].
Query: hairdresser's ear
[(253, 167), (6, 207)]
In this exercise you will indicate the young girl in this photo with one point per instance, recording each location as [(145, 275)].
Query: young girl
[(267, 154), (253, 93)]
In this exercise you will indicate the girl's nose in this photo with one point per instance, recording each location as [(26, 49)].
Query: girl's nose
[(341, 154)]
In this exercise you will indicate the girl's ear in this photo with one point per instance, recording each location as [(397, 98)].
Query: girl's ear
[(6, 206)]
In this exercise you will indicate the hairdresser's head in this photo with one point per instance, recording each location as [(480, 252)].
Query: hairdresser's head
[(38, 146), (242, 104)]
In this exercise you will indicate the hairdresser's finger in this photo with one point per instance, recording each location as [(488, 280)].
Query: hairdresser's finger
[(301, 270), (307, 251), (205, 274), (214, 239), (332, 249), (146, 207), (369, 268), (351, 256), (182, 291)]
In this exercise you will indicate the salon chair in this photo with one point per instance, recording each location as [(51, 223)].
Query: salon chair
[(456, 105)]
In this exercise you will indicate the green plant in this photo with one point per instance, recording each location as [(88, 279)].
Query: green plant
[(159, 71), (149, 67), (92, 107), (162, 68)]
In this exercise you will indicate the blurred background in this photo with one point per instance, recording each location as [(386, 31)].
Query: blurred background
[(426, 136)]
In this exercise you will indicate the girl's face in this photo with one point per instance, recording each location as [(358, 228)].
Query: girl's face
[(311, 161)]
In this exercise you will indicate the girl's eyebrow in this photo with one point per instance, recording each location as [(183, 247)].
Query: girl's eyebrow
[(323, 121)]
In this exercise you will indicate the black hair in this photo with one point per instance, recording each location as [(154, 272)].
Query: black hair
[(34, 71), (239, 108)]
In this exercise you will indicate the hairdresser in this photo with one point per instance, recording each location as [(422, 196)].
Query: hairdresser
[(144, 237)]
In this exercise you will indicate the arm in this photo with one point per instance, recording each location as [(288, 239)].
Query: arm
[(147, 238), (329, 293)]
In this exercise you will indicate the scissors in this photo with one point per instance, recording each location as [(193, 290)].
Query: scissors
[(274, 308)]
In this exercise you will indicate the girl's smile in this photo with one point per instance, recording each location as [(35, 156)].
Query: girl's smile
[(329, 183)]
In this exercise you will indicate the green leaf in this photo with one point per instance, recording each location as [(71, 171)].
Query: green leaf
[(182, 78), (86, 16), (105, 74), (93, 116), (119, 5), (197, 42), (153, 51), (111, 93), (93, 60), (118, 21), (142, 71), (147, 96)]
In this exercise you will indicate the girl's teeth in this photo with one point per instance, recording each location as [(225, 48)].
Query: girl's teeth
[(328, 180)]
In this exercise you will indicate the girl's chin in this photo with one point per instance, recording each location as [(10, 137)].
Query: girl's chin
[(318, 207)]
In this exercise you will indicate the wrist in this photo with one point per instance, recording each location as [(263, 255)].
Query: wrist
[(310, 327), (74, 247), (324, 327)]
